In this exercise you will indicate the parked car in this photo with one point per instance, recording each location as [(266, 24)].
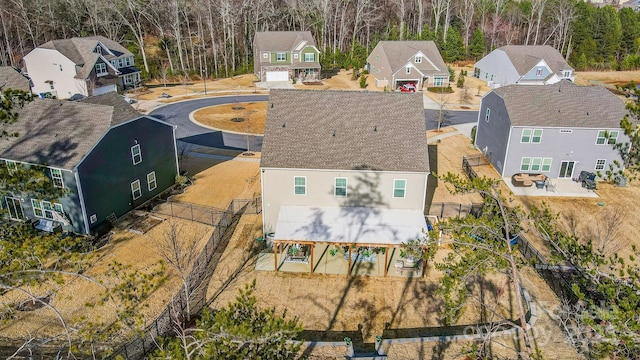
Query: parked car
[(165, 95), (128, 99), (408, 87)]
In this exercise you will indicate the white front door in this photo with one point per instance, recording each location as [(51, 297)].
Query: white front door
[(277, 76)]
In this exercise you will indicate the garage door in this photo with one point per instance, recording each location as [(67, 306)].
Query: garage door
[(277, 76), (104, 89)]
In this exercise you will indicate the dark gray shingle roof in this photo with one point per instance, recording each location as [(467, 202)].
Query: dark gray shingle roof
[(525, 57), (10, 78), (382, 131), (55, 132), (400, 52), (122, 111), (563, 104)]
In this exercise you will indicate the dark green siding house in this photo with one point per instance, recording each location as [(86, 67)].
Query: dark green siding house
[(109, 158)]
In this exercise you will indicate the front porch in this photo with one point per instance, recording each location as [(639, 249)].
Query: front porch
[(306, 74), (340, 259)]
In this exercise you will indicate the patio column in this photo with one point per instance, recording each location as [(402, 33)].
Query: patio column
[(311, 245), (349, 263), (386, 260), (275, 256)]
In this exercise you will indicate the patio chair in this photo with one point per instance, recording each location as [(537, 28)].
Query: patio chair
[(550, 186)]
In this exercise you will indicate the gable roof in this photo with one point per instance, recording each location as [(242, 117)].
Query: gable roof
[(346, 130), (11, 78), (563, 104), (525, 57), (57, 133), (122, 110), (80, 51), (398, 53), (281, 40)]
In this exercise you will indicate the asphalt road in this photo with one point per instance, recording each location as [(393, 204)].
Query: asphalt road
[(178, 114)]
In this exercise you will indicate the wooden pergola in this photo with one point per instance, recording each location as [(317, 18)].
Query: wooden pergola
[(350, 245)]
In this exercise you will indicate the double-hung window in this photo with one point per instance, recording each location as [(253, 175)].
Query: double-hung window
[(607, 137), (487, 115), (300, 185), (399, 188), (525, 164), (531, 135), (45, 209), (12, 166), (536, 164), (309, 57), (127, 61), (101, 69), (56, 177), (151, 181), (136, 154), (136, 191), (418, 59), (438, 81), (281, 56), (340, 188)]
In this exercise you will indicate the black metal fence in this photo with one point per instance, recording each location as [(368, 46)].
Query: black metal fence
[(469, 161), (187, 303), (444, 210), (207, 214), (558, 278)]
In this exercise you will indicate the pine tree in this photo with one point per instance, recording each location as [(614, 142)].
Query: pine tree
[(477, 46), (453, 47)]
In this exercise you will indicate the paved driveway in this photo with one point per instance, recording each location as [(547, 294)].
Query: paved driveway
[(178, 114)]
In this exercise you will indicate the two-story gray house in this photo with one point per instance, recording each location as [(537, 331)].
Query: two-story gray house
[(285, 56), (109, 158), (393, 63), (523, 65), (344, 167), (557, 130), (87, 66)]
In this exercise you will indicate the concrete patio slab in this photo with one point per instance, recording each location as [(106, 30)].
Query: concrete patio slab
[(559, 188)]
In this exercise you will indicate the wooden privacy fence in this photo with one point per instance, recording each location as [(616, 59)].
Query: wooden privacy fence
[(445, 210)]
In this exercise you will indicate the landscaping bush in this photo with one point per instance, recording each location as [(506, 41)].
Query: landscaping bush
[(440, 89), (363, 82)]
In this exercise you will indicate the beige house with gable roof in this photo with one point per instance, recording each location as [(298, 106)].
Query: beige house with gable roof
[(343, 168), (394, 63)]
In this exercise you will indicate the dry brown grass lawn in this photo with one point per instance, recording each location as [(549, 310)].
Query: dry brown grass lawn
[(191, 88), (253, 115), (138, 251), (607, 77)]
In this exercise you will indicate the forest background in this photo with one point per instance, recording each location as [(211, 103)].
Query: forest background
[(213, 38)]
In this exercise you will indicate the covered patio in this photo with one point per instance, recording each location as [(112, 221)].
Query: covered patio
[(346, 240)]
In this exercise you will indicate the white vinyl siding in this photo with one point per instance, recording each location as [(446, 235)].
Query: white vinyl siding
[(136, 154), (151, 181), (136, 191), (300, 185), (399, 188), (340, 188)]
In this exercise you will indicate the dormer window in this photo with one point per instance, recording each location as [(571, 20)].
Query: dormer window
[(539, 72), (101, 69), (418, 59), (98, 50)]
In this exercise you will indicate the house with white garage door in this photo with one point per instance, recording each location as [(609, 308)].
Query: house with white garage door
[(286, 56)]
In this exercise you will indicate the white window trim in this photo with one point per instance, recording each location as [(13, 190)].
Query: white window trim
[(408, 70), (541, 161), (312, 55), (305, 185), (136, 186), (418, 59), (539, 72), (153, 180), (133, 155), (604, 164), (54, 176), (12, 166), (39, 205), (607, 136), (128, 61), (438, 81), (278, 55), (93, 218), (528, 164), (335, 186), (487, 115), (533, 135), (101, 69), (522, 136), (404, 190), (543, 164)]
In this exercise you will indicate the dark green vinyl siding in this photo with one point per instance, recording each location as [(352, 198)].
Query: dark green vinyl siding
[(107, 172)]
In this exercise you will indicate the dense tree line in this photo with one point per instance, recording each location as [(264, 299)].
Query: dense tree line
[(214, 37)]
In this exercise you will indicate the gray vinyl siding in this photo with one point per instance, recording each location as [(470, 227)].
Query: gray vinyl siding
[(492, 136), (278, 190), (579, 146), (497, 67), (107, 172), (531, 75)]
